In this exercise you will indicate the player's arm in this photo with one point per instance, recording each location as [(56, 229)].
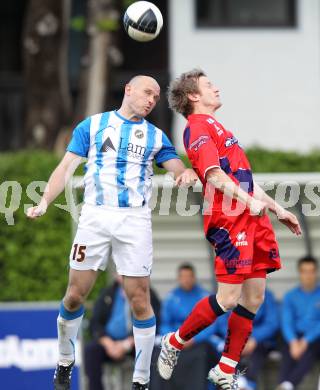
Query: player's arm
[(220, 180), (57, 181), (284, 216), (183, 176), (168, 159), (77, 148)]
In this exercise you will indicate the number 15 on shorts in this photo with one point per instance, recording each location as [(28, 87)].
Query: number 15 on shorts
[(79, 252)]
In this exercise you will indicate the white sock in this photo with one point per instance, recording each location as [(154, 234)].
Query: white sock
[(144, 335), (179, 339), (68, 325)]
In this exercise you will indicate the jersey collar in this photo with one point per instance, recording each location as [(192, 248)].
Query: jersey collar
[(128, 120), (195, 116)]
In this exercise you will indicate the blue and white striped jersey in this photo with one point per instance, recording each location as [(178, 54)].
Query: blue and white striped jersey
[(120, 154)]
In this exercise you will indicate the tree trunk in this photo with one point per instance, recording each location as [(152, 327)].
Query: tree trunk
[(99, 45), (45, 55)]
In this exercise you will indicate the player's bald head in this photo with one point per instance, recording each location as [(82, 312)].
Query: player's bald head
[(141, 94), (141, 80)]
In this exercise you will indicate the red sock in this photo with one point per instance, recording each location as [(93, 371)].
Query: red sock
[(239, 330), (203, 314)]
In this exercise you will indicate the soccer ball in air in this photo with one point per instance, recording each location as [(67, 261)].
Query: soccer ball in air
[(143, 21)]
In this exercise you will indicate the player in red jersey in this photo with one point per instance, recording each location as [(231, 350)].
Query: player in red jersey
[(235, 223)]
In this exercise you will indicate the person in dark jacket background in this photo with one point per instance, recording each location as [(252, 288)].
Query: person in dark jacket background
[(197, 357), (111, 331), (300, 325)]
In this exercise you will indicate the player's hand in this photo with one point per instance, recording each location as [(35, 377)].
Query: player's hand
[(289, 220), (257, 207), (37, 211), (187, 178)]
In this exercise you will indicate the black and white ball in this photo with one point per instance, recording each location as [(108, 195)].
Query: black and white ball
[(143, 21)]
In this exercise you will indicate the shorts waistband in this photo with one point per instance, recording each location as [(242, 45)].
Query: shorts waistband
[(127, 210)]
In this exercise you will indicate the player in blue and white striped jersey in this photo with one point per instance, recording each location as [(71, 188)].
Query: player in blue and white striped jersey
[(120, 155), (120, 147)]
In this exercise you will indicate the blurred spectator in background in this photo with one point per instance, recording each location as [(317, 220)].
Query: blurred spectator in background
[(198, 355), (261, 342), (300, 325), (111, 330)]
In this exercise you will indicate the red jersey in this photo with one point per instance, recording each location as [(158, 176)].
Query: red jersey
[(243, 243), (208, 144)]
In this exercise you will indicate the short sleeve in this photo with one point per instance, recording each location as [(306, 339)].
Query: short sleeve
[(80, 141), (167, 151), (201, 148)]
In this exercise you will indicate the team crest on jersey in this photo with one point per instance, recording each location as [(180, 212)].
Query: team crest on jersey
[(200, 141), (242, 239), (139, 134), (230, 141)]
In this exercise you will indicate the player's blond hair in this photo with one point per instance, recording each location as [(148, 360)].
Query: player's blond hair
[(179, 89)]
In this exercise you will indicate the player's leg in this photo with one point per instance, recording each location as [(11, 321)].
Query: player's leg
[(89, 253), (239, 329), (231, 263), (241, 321), (71, 312), (205, 312), (69, 321), (144, 325), (132, 254)]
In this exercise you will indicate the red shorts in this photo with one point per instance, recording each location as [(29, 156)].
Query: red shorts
[(240, 278), (243, 244)]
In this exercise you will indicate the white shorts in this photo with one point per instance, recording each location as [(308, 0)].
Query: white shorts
[(123, 232)]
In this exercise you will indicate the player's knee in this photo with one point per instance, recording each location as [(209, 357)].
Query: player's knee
[(228, 302), (139, 304), (73, 300), (254, 301)]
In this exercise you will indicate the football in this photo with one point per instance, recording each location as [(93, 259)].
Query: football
[(143, 21)]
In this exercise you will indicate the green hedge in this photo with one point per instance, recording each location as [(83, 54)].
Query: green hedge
[(277, 161), (34, 254), (263, 160)]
